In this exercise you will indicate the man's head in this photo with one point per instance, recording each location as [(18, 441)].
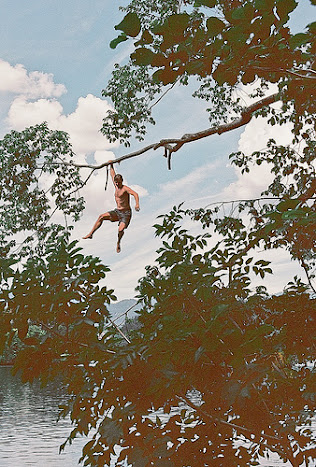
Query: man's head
[(118, 180)]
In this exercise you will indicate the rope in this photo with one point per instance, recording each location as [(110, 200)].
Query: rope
[(107, 177)]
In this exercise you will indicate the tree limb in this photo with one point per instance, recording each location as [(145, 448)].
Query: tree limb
[(174, 144), (119, 330), (224, 422), (236, 123), (297, 72)]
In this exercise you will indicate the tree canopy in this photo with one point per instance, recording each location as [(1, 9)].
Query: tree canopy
[(222, 44), (216, 372)]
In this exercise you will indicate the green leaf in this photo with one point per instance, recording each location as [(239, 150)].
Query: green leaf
[(121, 38), (214, 26), (164, 462), (23, 329), (287, 204), (176, 24), (138, 458), (245, 392), (232, 391), (264, 5), (284, 7), (243, 13), (130, 25), (31, 341), (249, 76), (143, 56), (220, 309), (298, 39), (146, 38), (88, 446), (110, 430), (164, 76), (195, 67)]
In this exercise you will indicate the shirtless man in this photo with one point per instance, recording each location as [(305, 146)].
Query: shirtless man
[(123, 213)]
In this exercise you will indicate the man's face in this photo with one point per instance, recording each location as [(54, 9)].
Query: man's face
[(118, 181)]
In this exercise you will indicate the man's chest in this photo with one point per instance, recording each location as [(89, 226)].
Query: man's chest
[(122, 196), (120, 193)]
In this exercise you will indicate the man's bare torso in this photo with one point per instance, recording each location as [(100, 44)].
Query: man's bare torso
[(122, 198)]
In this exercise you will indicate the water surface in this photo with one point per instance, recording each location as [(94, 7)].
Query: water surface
[(29, 433)]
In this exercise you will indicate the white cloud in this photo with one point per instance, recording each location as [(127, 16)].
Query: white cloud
[(24, 113), (254, 138), (188, 183), (83, 125), (248, 185), (34, 99), (103, 156), (258, 132), (33, 85)]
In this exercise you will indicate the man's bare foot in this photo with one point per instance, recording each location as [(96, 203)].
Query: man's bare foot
[(118, 248), (88, 236)]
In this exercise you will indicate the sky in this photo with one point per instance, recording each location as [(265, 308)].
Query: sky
[(54, 61)]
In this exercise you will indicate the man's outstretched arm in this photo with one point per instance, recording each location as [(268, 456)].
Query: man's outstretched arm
[(133, 193)]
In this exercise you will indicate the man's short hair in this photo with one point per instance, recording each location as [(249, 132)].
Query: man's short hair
[(118, 176)]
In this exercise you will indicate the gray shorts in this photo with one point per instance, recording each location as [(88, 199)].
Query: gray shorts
[(121, 216)]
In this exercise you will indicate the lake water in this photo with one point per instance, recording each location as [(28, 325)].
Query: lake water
[(29, 433)]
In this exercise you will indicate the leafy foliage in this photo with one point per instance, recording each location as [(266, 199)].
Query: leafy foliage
[(213, 369), (132, 108), (49, 290), (208, 364), (288, 221), (26, 158), (221, 43)]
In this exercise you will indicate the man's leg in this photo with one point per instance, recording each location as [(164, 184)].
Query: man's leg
[(103, 217), (119, 236)]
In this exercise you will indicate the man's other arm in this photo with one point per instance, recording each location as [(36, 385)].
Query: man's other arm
[(133, 193)]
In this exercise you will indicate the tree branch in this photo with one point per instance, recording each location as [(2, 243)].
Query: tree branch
[(272, 198), (67, 340), (119, 330), (174, 144), (230, 424), (297, 72), (236, 123)]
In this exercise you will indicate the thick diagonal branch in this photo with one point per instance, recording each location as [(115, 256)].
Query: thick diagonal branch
[(174, 144), (236, 123)]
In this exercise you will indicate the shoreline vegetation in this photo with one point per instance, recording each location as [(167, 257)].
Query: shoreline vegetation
[(122, 314)]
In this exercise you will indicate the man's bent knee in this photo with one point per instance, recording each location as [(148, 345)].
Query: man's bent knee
[(104, 217)]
